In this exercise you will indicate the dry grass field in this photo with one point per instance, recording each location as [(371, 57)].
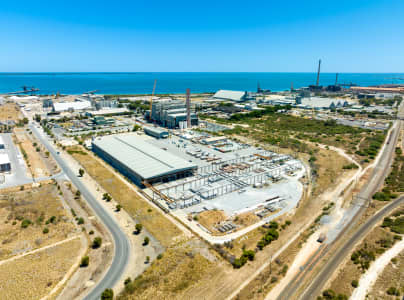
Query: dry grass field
[(392, 276), (152, 219), (35, 275), (172, 276), (10, 111), (24, 215), (32, 157)]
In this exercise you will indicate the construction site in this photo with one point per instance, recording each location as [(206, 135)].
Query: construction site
[(230, 177)]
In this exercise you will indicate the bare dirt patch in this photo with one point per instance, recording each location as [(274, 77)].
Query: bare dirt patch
[(209, 219)]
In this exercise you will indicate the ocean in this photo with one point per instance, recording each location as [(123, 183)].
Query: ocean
[(172, 82)]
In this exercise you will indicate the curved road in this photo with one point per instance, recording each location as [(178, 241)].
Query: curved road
[(122, 246)]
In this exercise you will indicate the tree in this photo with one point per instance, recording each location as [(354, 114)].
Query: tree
[(139, 228), (107, 294), (146, 241), (81, 172), (97, 242), (45, 230), (147, 259), (118, 207), (85, 260)]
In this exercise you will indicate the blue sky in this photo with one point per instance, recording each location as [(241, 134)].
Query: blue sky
[(262, 36)]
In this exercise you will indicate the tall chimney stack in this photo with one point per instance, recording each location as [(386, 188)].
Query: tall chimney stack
[(188, 109), (318, 72)]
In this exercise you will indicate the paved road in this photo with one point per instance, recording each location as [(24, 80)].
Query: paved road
[(332, 264), (375, 181), (122, 246)]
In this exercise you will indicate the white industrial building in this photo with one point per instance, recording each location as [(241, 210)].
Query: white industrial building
[(236, 96), (1, 143), (5, 164), (321, 103), (71, 106), (141, 161)]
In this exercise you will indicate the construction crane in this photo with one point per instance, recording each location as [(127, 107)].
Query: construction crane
[(151, 100)]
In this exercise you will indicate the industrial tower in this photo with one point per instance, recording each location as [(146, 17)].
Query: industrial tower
[(318, 72), (188, 109)]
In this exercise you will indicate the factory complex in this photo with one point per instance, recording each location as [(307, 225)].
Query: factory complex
[(140, 161), (187, 172)]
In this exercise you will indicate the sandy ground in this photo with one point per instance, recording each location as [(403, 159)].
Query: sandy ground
[(369, 278)]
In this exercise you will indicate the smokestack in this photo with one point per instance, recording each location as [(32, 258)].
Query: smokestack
[(188, 109), (318, 72)]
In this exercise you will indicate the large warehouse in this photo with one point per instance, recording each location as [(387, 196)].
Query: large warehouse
[(140, 161)]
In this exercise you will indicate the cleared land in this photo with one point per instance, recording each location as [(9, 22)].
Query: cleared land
[(31, 154), (152, 219), (34, 276), (10, 112), (32, 218)]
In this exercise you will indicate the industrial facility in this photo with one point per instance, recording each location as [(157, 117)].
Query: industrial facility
[(156, 132), (141, 162), (172, 114), (236, 96)]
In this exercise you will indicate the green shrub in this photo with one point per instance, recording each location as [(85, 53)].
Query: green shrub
[(85, 260), (392, 291), (97, 242), (25, 223), (107, 294)]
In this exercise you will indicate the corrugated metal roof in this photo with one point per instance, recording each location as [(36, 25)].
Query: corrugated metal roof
[(323, 102), (230, 95), (76, 105), (146, 160), (155, 129)]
